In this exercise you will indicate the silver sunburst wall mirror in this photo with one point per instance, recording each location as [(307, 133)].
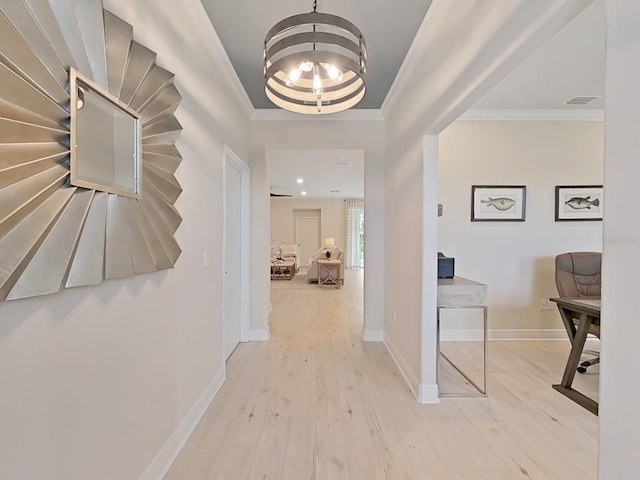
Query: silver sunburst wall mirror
[(87, 150)]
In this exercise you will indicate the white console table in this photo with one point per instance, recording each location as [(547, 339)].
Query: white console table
[(459, 292)]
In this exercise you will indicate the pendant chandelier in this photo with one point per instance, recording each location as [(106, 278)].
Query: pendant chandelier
[(315, 63)]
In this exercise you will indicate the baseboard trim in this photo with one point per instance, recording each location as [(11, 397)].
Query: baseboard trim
[(460, 335), (372, 335), (528, 334), (259, 335), (163, 460), (472, 335), (403, 366), (429, 394)]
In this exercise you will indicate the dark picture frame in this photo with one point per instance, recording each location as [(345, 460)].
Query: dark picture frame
[(575, 203), (498, 203)]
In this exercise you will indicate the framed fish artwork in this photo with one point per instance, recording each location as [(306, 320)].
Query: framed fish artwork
[(498, 203), (578, 202)]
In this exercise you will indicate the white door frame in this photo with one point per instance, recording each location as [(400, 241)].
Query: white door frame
[(230, 159)]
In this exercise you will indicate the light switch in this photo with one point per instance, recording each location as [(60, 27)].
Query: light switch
[(205, 259)]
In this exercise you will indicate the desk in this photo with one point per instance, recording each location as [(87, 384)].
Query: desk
[(460, 292), (587, 314)]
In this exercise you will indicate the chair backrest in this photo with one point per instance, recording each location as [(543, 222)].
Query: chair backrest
[(578, 274)]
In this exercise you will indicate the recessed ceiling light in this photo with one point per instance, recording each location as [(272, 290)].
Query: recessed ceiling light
[(303, 193), (300, 180)]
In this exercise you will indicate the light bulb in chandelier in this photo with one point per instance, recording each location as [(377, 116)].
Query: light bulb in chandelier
[(296, 73), (293, 77), (317, 81), (334, 72)]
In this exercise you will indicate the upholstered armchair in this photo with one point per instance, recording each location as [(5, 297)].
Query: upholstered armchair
[(312, 265), (578, 276), (292, 252)]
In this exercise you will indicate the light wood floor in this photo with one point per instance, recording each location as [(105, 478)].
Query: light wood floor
[(315, 402)]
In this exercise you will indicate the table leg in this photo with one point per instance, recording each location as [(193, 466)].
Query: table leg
[(577, 346), (567, 321)]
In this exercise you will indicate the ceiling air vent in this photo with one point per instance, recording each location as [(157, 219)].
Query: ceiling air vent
[(581, 100), (343, 163)]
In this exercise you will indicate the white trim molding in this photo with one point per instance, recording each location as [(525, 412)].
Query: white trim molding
[(429, 394), (475, 335), (443, 87), (165, 457), (256, 335), (591, 115), (354, 114), (403, 366), (232, 160), (528, 334), (372, 335), (225, 67)]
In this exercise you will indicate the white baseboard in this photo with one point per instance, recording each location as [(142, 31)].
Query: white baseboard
[(460, 334), (372, 335), (163, 460), (429, 394), (470, 335), (403, 366), (259, 335), (528, 334)]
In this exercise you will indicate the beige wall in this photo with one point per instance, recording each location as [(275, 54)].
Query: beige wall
[(331, 218), (515, 259), (95, 380)]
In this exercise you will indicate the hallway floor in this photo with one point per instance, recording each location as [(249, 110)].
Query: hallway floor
[(315, 402)]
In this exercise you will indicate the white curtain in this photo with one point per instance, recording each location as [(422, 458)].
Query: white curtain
[(354, 233)]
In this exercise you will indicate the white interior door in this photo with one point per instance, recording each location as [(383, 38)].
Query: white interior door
[(232, 260), (307, 236)]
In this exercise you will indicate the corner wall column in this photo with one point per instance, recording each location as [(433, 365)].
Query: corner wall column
[(619, 390), (428, 335)]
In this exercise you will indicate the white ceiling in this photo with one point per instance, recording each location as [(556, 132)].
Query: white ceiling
[(330, 173), (571, 64)]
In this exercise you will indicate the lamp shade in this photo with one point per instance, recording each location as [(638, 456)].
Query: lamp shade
[(329, 242), (315, 63)]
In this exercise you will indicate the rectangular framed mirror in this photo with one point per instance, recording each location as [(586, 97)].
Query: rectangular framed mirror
[(105, 140)]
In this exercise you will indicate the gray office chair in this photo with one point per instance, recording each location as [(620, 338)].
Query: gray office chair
[(578, 276)]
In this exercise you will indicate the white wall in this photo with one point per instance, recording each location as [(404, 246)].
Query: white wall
[(619, 388), (331, 218), (353, 129), (516, 259), (96, 379), (452, 62)]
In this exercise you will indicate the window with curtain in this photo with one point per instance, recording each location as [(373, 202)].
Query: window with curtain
[(354, 232)]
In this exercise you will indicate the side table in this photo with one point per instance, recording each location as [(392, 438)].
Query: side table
[(459, 292), (329, 273)]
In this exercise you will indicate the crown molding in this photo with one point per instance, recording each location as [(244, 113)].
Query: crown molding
[(592, 115), (354, 114), (434, 91), (227, 70), (408, 66)]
